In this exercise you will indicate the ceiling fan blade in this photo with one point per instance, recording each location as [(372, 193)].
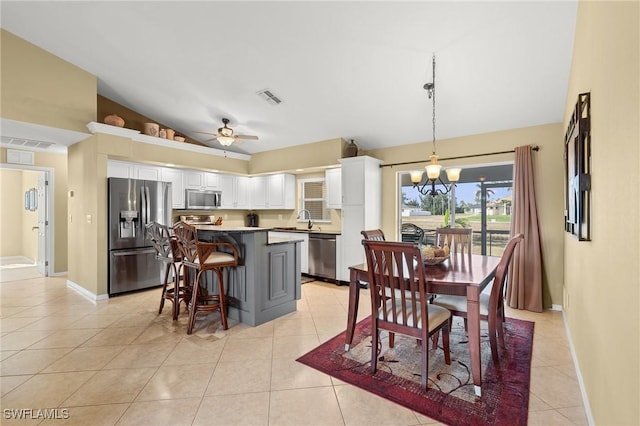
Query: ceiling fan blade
[(206, 133), (248, 137)]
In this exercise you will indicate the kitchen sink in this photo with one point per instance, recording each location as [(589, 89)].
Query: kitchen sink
[(294, 229)]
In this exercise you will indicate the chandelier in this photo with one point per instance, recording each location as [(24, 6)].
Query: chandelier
[(433, 168)]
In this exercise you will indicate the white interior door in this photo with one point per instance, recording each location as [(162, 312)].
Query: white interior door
[(43, 223)]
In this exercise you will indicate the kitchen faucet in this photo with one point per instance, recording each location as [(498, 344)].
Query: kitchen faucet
[(310, 224)]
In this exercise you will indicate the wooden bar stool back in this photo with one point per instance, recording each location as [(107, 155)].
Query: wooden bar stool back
[(202, 257), (167, 251)]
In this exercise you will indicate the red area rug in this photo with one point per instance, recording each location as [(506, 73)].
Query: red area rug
[(450, 398)]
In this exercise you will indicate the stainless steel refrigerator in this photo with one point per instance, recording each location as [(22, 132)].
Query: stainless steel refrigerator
[(132, 259)]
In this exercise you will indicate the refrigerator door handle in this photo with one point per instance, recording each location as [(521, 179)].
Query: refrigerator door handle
[(143, 210), (147, 204)]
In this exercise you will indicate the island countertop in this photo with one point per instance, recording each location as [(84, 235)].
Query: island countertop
[(246, 229), (225, 228)]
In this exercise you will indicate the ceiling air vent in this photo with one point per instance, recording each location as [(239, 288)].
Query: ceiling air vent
[(27, 143), (270, 97)]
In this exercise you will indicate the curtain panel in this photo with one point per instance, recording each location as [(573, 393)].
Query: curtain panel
[(524, 288)]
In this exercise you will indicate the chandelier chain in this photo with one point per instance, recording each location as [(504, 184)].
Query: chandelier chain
[(433, 100)]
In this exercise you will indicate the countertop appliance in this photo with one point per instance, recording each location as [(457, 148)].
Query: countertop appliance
[(199, 199), (132, 259), (322, 255)]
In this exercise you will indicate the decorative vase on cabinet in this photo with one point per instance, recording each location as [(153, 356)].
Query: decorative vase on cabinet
[(352, 149), (114, 120)]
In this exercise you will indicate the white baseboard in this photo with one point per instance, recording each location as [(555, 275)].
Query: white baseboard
[(86, 293), (17, 259), (557, 308), (583, 391), (58, 274)]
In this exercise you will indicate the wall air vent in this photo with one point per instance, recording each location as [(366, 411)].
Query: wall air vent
[(270, 97), (16, 156)]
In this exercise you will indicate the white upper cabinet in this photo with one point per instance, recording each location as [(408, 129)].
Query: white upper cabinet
[(259, 192), (176, 177), (146, 172), (120, 169), (274, 192), (243, 192), (201, 180), (127, 170), (333, 185), (236, 192)]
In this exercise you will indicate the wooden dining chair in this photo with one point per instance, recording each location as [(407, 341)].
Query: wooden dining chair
[(459, 240), (492, 304), (202, 257), (373, 234), (411, 233), (399, 300)]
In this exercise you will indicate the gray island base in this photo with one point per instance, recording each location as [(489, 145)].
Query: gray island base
[(266, 283)]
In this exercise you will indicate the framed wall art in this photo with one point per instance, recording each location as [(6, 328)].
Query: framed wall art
[(577, 160)]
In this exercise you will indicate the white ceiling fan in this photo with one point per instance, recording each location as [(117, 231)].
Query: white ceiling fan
[(226, 136)]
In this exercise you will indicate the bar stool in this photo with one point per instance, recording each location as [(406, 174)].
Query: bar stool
[(167, 251), (202, 257)]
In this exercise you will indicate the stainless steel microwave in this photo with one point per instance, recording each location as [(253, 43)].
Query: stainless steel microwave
[(199, 199)]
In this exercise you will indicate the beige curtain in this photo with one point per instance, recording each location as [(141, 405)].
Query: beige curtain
[(524, 288)]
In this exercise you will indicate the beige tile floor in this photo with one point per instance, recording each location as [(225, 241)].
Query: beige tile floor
[(119, 362)]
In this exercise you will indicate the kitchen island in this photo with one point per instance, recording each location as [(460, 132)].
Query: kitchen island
[(266, 283)]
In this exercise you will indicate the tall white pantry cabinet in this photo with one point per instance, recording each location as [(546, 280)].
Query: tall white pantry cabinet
[(361, 207)]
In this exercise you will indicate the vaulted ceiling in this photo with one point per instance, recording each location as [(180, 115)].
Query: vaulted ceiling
[(354, 70)]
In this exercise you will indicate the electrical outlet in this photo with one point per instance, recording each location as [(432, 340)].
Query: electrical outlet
[(89, 218), (70, 219)]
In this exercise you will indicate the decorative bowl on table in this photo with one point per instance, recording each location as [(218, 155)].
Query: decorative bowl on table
[(434, 255)]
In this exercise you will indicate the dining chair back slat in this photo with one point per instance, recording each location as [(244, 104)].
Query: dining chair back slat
[(459, 240)]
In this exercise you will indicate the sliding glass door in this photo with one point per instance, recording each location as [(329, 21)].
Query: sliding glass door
[(481, 200)]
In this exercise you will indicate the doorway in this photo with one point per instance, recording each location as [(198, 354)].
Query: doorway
[(25, 222)]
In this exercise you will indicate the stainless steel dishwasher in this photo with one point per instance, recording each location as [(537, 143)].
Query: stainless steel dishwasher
[(322, 255)]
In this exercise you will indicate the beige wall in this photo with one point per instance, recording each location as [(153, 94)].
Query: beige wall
[(87, 245), (11, 213), (317, 154), (38, 87), (548, 165), (601, 276)]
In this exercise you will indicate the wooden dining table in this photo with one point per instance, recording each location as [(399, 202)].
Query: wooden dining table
[(460, 275)]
